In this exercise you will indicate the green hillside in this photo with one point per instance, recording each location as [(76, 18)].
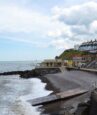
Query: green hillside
[(68, 54)]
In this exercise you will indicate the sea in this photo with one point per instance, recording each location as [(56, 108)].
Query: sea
[(15, 91)]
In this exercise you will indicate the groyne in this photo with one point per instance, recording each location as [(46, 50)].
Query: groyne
[(57, 97)]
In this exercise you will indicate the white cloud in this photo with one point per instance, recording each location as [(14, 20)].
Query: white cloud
[(60, 44), (82, 14), (17, 19), (93, 27), (23, 25), (31, 26), (62, 29), (79, 23)]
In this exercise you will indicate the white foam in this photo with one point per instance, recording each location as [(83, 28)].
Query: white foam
[(23, 108), (15, 91), (38, 90)]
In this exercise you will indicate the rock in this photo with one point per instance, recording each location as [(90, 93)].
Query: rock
[(83, 109), (33, 73), (93, 104)]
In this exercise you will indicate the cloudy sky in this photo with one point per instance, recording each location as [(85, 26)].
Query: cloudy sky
[(39, 29)]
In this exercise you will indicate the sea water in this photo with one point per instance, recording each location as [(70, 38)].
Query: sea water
[(15, 91), (6, 66)]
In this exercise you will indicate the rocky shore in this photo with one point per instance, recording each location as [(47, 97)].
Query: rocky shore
[(33, 73)]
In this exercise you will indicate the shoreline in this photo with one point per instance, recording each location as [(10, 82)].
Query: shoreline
[(58, 82)]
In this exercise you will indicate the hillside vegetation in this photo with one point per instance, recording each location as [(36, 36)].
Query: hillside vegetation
[(69, 54)]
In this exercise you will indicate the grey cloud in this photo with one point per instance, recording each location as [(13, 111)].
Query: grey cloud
[(80, 29), (79, 15)]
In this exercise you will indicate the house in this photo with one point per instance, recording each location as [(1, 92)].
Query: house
[(81, 60), (90, 46)]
